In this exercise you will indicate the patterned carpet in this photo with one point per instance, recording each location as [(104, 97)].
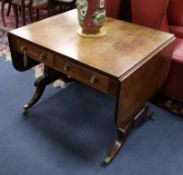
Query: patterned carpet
[(10, 24), (170, 104), (4, 46), (167, 103)]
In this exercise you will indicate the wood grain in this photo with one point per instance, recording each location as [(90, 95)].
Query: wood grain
[(124, 46), (139, 86), (131, 62)]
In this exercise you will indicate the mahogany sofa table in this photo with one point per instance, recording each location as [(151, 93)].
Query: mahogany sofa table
[(131, 62)]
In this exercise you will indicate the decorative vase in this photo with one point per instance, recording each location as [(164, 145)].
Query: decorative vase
[(91, 15)]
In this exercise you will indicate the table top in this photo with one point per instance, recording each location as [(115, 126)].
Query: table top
[(125, 46)]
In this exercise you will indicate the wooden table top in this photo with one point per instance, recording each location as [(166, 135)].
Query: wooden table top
[(125, 46)]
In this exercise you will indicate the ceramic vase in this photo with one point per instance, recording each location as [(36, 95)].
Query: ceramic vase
[(91, 15)]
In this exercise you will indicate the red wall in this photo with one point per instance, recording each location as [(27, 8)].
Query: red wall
[(113, 8)]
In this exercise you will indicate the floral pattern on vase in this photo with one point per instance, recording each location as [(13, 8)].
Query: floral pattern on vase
[(91, 15)]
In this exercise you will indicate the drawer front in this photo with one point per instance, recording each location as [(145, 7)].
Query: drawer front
[(91, 78), (81, 73), (33, 51)]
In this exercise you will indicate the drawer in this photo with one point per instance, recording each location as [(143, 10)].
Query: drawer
[(91, 78), (36, 52), (56, 61), (85, 75)]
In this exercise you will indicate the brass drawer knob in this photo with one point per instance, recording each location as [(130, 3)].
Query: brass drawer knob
[(66, 67), (93, 79), (42, 55), (23, 48)]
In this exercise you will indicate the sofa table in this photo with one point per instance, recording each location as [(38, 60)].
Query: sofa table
[(130, 62)]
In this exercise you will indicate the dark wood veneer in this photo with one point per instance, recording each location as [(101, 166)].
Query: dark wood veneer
[(131, 62)]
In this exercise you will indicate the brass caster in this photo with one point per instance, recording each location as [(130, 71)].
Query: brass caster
[(150, 115), (106, 161), (25, 111)]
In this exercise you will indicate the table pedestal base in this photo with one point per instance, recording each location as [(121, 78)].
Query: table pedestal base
[(49, 76), (122, 132)]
